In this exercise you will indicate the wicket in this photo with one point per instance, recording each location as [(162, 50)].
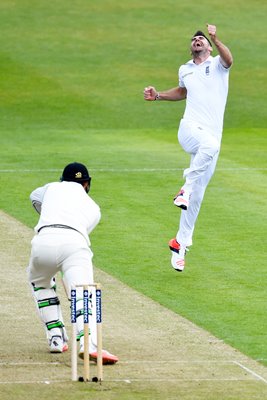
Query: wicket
[(74, 357)]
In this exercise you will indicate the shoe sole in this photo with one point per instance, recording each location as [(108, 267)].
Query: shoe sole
[(105, 361), (181, 205), (174, 249), (56, 351), (180, 202), (174, 245), (175, 266)]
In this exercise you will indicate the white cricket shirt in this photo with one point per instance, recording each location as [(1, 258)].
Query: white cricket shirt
[(66, 203), (207, 89)]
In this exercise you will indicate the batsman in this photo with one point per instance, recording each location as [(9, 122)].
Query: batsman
[(61, 244)]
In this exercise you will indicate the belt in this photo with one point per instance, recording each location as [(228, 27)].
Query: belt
[(57, 226)]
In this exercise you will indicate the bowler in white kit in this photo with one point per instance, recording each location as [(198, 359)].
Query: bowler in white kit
[(203, 83)]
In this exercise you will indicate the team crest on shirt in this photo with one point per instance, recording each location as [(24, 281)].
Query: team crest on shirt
[(207, 70)]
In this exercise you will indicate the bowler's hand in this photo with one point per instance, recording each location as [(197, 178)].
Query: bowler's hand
[(150, 93), (211, 31)]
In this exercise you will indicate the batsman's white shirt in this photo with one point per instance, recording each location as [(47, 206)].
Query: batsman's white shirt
[(207, 89), (66, 203)]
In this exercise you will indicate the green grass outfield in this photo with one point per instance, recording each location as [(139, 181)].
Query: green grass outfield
[(72, 77)]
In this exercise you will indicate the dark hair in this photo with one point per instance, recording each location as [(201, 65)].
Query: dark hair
[(200, 33)]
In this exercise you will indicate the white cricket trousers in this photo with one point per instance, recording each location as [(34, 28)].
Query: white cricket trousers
[(61, 250), (204, 146)]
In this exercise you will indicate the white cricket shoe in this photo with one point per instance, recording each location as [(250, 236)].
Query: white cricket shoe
[(182, 199), (178, 255), (57, 345), (107, 358)]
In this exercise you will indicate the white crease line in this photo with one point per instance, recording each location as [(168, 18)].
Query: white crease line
[(7, 364), (177, 362), (128, 170), (30, 363), (23, 363), (178, 380), (250, 371), (48, 381)]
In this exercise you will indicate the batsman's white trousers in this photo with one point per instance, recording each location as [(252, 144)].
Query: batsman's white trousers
[(59, 249), (62, 250), (204, 146)]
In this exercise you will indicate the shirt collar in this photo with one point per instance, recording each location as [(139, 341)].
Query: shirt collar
[(208, 60)]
